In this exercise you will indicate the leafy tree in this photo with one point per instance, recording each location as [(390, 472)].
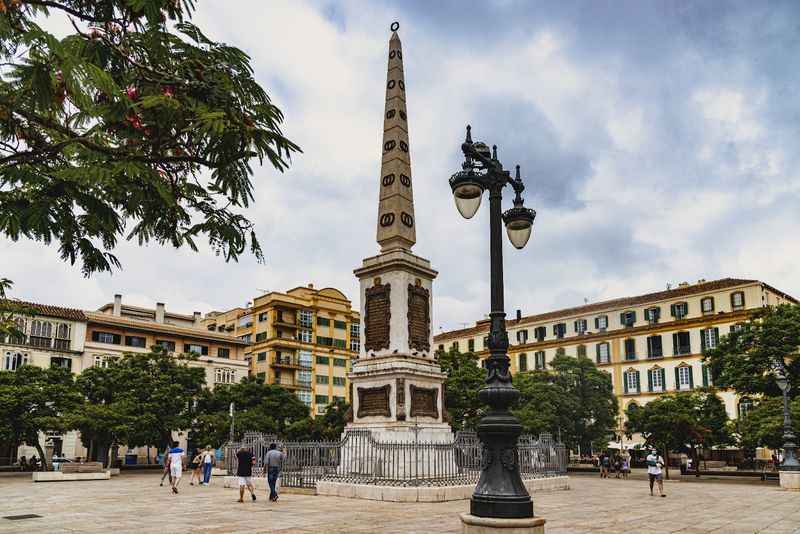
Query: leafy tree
[(745, 360), (763, 425), (32, 401), (681, 422), (464, 378), (135, 124), (329, 427), (574, 399), (259, 407), (9, 310), (138, 400)]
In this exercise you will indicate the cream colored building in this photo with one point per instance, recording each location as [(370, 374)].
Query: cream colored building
[(303, 339), (650, 344)]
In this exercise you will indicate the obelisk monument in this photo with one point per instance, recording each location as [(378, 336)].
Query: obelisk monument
[(397, 384)]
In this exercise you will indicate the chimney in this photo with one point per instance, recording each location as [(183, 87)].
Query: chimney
[(117, 305), (159, 312), (683, 284), (519, 315), (197, 319), (310, 286)]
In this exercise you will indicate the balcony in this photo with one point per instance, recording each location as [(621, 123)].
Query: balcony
[(282, 322), (286, 362), (288, 342), (295, 386)]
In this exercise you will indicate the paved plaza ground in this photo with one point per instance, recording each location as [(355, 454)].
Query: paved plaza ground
[(136, 503)]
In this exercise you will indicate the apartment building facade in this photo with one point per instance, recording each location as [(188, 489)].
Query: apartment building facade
[(650, 344), (303, 339)]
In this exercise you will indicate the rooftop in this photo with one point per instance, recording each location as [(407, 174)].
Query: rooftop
[(48, 310)]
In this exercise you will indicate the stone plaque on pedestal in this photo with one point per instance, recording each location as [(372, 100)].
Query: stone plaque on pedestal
[(374, 401), (419, 321), (377, 314), (423, 402)]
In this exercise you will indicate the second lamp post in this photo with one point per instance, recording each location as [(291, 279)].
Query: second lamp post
[(500, 491)]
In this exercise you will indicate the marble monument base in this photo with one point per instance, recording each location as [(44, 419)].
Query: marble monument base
[(471, 524), (790, 480)]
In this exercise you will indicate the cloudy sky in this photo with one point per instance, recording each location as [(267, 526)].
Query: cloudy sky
[(658, 142)]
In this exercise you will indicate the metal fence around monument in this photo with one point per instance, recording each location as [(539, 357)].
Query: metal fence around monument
[(359, 458)]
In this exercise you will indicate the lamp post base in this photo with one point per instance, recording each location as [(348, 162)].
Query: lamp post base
[(790, 479), (471, 524)]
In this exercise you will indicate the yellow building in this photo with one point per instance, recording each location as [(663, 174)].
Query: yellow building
[(649, 344), (303, 340)]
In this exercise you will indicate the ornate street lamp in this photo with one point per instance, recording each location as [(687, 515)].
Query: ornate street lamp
[(500, 492), (790, 462)]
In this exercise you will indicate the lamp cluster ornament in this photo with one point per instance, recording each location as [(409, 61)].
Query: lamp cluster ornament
[(500, 492)]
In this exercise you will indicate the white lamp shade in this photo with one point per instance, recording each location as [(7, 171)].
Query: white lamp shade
[(468, 199)]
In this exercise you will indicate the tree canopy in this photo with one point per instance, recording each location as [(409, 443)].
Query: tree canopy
[(136, 124), (745, 360), (762, 426), (574, 399), (464, 378)]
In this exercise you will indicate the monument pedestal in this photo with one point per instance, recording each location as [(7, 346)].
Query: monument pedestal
[(471, 524), (790, 480)]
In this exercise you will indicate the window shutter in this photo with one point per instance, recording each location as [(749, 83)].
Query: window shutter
[(675, 344), (716, 336), (96, 335), (704, 371), (663, 379), (597, 323), (204, 350), (625, 382), (117, 339), (597, 348), (185, 348), (622, 318), (638, 383), (672, 310), (677, 379), (691, 378), (702, 340), (650, 380)]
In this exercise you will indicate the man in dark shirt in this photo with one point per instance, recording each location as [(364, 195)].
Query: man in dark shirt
[(244, 471)]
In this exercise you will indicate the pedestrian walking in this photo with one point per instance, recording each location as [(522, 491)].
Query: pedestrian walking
[(207, 461), (196, 466), (605, 462), (164, 460), (626, 465), (655, 464), (617, 465), (273, 461), (244, 470), (176, 458)]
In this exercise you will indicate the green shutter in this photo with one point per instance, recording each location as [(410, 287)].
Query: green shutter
[(622, 318), (625, 382), (691, 378), (638, 383), (675, 344), (650, 380), (677, 380), (663, 379), (716, 336), (597, 357), (704, 372), (703, 341)]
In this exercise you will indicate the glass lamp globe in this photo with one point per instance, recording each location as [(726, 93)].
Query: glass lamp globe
[(467, 192), (519, 225)]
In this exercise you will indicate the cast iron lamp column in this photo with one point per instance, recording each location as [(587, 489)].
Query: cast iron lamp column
[(500, 492), (790, 462)]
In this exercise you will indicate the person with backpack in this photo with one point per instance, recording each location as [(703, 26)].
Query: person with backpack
[(655, 464)]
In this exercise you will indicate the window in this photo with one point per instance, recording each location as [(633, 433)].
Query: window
[(261, 377), (339, 362), (706, 372), (679, 310), (322, 360), (745, 407), (341, 325), (737, 300), (306, 318), (304, 336), (61, 344), (522, 336), (247, 338), (102, 361), (654, 347), (261, 357), (627, 318), (355, 330), (709, 339), (736, 327), (471, 345), (603, 355), (245, 321), (580, 326), (263, 316), (62, 331), (561, 351), (322, 379), (327, 341), (339, 381), (655, 380), (652, 315), (523, 362), (683, 377), (321, 399), (630, 349), (338, 399), (196, 349), (304, 378), (540, 333), (304, 359), (355, 345), (224, 375), (601, 322), (631, 382), (304, 396), (707, 305), (14, 360), (581, 351), (106, 337), (454, 346), (64, 363), (559, 330), (41, 328), (323, 321), (681, 343), (539, 360), (223, 353), (340, 343), (261, 336), (135, 341), (168, 346)]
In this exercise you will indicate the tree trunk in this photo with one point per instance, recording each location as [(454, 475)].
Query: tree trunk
[(696, 462), (41, 455), (666, 460)]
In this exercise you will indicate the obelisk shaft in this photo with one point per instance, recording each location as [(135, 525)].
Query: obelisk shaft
[(396, 223)]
